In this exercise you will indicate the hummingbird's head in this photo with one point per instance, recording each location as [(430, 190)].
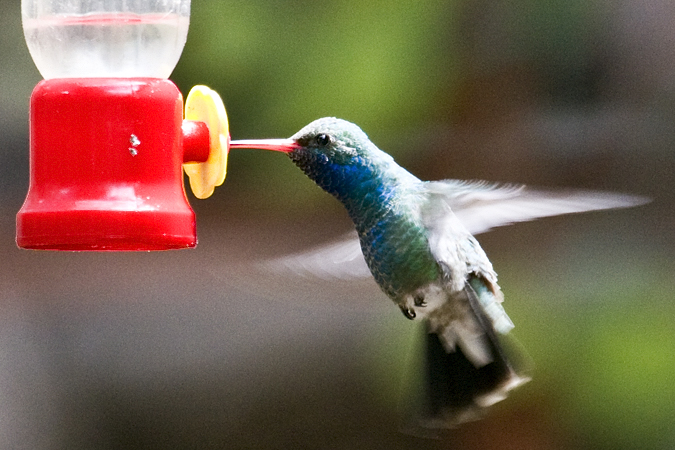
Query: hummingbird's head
[(335, 153), (324, 139), (331, 140)]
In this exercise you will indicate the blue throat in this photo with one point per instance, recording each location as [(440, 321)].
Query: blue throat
[(364, 189)]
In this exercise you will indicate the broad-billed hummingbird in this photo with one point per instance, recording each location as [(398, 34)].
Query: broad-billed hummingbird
[(417, 240)]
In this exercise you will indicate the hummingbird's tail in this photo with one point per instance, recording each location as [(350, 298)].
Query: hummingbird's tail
[(457, 388)]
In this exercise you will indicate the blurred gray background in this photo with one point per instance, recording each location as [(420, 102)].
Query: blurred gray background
[(199, 349)]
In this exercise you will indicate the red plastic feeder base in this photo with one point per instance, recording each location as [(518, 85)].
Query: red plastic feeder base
[(106, 167)]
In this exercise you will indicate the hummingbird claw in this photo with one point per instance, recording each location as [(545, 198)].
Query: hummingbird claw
[(419, 300), (409, 313)]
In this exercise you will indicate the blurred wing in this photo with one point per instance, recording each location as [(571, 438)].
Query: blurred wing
[(481, 206), (478, 205), (339, 260)]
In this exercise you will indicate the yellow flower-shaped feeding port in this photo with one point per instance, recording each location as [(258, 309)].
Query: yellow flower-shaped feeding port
[(205, 105)]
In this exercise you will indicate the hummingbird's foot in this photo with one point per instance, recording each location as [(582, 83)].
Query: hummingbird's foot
[(409, 313), (419, 300)]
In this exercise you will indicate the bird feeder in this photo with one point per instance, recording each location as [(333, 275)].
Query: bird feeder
[(109, 136)]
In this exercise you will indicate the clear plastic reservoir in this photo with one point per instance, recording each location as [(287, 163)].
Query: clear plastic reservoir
[(105, 38)]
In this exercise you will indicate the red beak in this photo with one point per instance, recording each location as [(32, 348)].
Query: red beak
[(278, 145)]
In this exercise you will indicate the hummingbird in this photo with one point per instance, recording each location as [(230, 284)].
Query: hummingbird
[(417, 240)]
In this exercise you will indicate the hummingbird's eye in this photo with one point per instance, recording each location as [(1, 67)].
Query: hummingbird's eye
[(323, 139)]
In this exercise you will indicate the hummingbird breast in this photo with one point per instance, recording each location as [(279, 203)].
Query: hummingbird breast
[(396, 248)]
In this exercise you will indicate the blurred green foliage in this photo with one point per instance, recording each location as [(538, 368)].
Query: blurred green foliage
[(281, 64), (607, 358)]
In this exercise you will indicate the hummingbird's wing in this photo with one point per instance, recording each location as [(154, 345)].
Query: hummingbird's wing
[(339, 260), (478, 205), (481, 206)]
